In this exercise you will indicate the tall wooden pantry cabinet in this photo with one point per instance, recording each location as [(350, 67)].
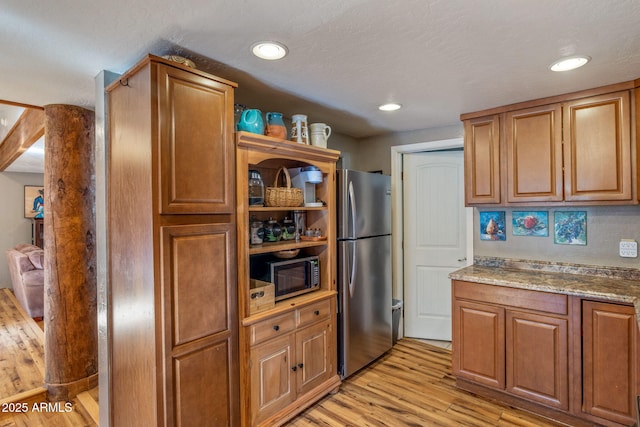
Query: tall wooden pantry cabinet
[(172, 248)]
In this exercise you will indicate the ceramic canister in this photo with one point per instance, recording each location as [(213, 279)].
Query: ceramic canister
[(299, 131)]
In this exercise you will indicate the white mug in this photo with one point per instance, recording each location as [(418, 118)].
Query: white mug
[(320, 132)]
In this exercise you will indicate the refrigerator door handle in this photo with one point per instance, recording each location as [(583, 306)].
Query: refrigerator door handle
[(352, 272), (352, 205)]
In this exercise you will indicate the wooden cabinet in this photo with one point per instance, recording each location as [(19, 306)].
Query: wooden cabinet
[(291, 365), (478, 337), (597, 148), (288, 355), (534, 154), (569, 149), (482, 160), (172, 248), (611, 361), (537, 358), (512, 340), (196, 174), (570, 359)]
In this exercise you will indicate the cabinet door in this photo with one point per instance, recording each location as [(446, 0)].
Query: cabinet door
[(482, 160), (534, 154), (537, 358), (272, 377), (196, 143), (597, 148), (610, 361), (479, 347), (313, 349), (200, 315)]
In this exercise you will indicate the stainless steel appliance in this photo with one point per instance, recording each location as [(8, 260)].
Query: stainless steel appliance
[(290, 277), (364, 268)]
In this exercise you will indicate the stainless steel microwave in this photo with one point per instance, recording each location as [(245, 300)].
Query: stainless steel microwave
[(290, 277)]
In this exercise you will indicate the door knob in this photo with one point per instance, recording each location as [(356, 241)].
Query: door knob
[(462, 259)]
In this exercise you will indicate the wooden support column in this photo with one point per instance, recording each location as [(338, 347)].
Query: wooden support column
[(71, 332)]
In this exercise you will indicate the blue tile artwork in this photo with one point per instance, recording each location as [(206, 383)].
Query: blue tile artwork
[(570, 227), (530, 223), (492, 226)]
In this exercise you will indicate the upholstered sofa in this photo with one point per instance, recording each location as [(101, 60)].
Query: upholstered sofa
[(26, 267)]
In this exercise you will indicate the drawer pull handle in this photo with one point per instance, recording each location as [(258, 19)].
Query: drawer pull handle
[(294, 368), (276, 327), (255, 295), (317, 312), (300, 365)]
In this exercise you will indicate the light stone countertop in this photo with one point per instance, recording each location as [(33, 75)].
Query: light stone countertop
[(603, 283)]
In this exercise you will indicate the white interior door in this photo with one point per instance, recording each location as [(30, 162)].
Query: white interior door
[(434, 239)]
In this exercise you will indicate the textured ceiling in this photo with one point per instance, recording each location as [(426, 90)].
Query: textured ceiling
[(439, 58)]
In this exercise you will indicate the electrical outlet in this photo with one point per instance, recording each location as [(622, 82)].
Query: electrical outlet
[(628, 248)]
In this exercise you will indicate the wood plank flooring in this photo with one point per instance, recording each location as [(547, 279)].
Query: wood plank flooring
[(22, 348), (22, 398), (411, 385)]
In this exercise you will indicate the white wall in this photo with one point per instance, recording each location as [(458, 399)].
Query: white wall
[(14, 227)]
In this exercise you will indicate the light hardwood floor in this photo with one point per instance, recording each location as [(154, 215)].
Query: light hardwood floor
[(22, 398), (411, 385)]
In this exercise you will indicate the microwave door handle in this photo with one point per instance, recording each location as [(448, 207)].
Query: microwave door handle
[(352, 206), (352, 272)]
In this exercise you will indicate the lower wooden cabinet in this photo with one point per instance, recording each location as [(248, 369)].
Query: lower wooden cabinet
[(512, 348), (610, 362), (478, 337), (537, 358), (293, 355), (562, 356)]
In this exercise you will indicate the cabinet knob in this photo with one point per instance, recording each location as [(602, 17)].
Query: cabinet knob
[(276, 327), (294, 368), (300, 365), (317, 312)]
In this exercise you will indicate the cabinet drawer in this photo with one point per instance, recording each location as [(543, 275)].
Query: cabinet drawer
[(313, 313), (512, 297), (273, 327)]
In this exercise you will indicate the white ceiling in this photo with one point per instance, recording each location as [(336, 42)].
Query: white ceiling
[(438, 58)]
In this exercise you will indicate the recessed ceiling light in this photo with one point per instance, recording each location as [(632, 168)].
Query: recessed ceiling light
[(566, 64), (392, 106), (269, 50)]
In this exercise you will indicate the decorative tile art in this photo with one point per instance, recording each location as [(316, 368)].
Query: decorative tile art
[(570, 227), (530, 223), (492, 226)]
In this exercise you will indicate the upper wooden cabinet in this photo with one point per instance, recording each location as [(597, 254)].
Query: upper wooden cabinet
[(534, 154), (482, 160), (569, 149), (195, 123), (597, 148)]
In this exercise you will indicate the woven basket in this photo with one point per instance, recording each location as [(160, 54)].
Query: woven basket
[(283, 196)]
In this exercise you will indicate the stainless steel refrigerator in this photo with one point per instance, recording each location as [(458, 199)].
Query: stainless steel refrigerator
[(364, 268)]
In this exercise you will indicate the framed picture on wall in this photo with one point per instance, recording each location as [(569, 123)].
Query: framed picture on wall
[(33, 201), (570, 227)]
